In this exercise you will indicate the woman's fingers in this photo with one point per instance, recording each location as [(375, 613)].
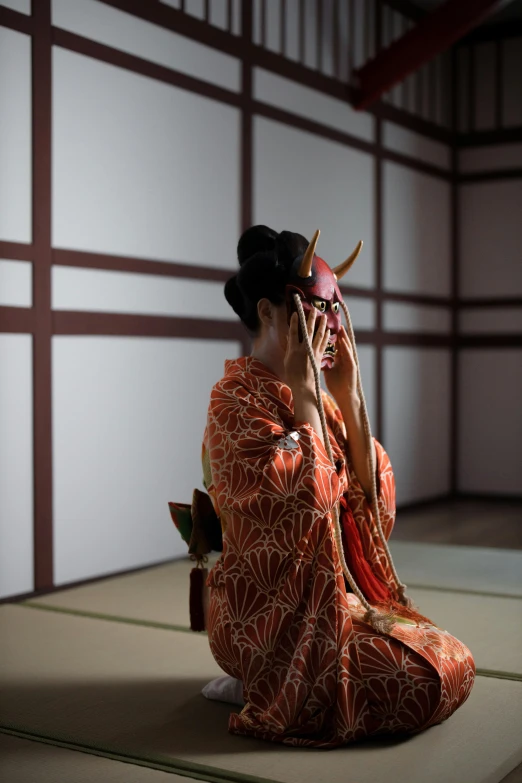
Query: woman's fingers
[(326, 336), (321, 339), (324, 344), (318, 337), (310, 323)]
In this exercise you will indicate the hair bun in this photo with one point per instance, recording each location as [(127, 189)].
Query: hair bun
[(265, 258), (289, 246), (234, 296), (256, 239)]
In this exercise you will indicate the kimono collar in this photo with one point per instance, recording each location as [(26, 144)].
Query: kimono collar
[(256, 377)]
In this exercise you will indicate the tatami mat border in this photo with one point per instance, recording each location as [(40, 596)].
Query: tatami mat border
[(499, 675), (185, 629), (465, 591), (108, 617), (188, 769)]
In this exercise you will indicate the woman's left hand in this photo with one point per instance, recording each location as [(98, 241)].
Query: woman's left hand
[(341, 379)]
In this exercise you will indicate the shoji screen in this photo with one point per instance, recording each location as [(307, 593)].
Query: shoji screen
[(416, 375), (16, 355)]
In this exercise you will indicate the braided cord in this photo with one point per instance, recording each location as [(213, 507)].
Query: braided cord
[(382, 623), (401, 588)]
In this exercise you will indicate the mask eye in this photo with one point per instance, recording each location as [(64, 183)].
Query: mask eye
[(320, 304), (335, 307)]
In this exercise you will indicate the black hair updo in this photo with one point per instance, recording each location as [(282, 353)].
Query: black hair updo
[(265, 259)]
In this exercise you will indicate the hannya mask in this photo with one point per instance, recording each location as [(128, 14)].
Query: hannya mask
[(316, 284)]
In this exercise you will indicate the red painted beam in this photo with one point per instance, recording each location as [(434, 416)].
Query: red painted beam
[(432, 35)]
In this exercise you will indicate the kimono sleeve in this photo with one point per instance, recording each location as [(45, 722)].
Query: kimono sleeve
[(266, 475)]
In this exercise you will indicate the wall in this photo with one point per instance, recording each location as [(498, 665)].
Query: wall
[(16, 442), (490, 74), (490, 376), (158, 157), (490, 269), (140, 170)]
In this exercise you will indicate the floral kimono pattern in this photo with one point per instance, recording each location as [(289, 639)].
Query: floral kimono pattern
[(281, 618)]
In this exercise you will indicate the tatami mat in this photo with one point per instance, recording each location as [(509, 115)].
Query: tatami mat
[(136, 690), (449, 567), (23, 761), (491, 626), (157, 595)]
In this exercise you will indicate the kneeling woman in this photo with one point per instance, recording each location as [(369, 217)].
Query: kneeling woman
[(306, 607)]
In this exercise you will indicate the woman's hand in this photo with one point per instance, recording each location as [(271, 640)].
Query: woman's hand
[(341, 379), (298, 367), (341, 382)]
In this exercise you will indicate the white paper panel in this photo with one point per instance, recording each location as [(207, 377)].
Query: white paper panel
[(343, 14), (195, 8), (417, 420), (491, 239), (417, 236), (303, 182), (416, 146), (359, 32), (16, 283), (406, 317), (367, 363), (292, 15), (488, 320), (124, 292), (310, 57), (126, 32), (362, 312), (128, 421), (16, 465), (218, 13), (367, 360), (272, 30), (236, 17), (15, 136), (24, 6), (141, 168), (490, 423), (293, 97), (292, 29), (490, 157), (327, 64), (273, 26)]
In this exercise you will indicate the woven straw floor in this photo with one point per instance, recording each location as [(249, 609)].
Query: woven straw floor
[(103, 682)]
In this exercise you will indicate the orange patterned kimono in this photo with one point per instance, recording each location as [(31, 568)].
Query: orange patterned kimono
[(281, 618)]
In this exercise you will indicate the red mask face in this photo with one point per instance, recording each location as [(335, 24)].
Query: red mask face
[(321, 291)]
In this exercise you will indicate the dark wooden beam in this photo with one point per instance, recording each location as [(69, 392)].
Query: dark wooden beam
[(496, 31), (483, 137), (433, 34), (406, 8)]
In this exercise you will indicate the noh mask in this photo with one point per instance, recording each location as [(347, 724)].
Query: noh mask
[(316, 285)]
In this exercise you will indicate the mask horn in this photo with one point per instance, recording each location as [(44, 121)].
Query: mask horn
[(342, 269), (305, 270)]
